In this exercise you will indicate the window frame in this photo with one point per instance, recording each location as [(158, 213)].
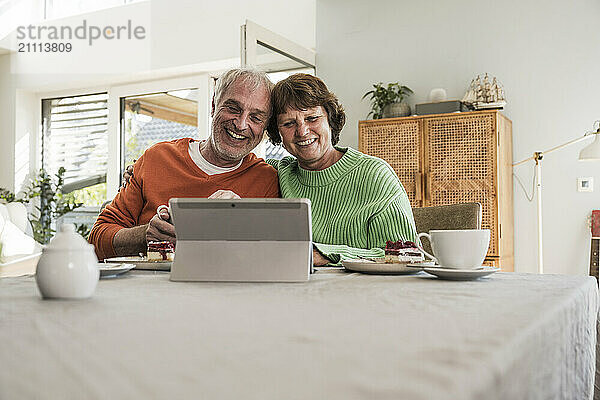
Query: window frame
[(116, 118), (201, 80)]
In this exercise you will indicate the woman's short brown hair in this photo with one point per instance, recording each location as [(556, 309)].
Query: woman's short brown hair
[(300, 92)]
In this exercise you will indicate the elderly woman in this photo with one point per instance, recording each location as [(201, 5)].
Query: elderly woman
[(358, 203)]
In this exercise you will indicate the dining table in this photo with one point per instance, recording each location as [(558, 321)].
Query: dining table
[(339, 335)]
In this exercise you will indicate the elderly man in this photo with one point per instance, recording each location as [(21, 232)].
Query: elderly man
[(213, 168)]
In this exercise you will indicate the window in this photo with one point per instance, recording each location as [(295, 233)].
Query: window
[(152, 118), (75, 137), (274, 152)]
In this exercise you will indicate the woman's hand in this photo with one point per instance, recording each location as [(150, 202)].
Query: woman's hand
[(127, 175)]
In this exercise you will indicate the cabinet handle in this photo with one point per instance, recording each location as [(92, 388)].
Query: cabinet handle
[(428, 187), (418, 186)]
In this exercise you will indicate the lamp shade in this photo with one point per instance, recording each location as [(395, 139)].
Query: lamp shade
[(591, 152)]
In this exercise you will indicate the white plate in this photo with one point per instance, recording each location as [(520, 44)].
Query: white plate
[(113, 269), (372, 267), (460, 274), (142, 263)]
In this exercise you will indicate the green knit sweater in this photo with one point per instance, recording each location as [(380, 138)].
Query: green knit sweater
[(358, 204)]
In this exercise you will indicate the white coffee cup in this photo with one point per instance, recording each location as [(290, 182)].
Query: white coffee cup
[(460, 249), (167, 209)]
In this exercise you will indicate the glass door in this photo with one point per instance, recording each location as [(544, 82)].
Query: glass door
[(270, 52), (279, 57)]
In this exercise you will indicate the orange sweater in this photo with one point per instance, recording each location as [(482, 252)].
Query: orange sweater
[(166, 170)]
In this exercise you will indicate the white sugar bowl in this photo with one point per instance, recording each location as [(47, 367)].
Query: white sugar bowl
[(68, 266)]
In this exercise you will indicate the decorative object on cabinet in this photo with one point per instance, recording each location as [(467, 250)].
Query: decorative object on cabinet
[(483, 94), (453, 158), (388, 101), (438, 94), (589, 153), (441, 107)]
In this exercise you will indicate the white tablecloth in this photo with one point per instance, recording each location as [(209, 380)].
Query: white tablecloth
[(338, 336)]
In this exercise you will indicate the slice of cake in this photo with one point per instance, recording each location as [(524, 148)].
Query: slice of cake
[(402, 252), (161, 251)]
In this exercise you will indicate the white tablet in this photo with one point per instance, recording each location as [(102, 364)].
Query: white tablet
[(243, 240)]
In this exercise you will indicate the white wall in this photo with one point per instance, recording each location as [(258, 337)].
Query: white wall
[(546, 55), (19, 12), (7, 124), (187, 36), (26, 138), (191, 31)]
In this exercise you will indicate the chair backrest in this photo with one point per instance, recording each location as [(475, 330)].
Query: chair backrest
[(16, 213), (453, 216), (14, 236)]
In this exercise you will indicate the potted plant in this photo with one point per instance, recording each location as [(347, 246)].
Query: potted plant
[(51, 204), (388, 102)]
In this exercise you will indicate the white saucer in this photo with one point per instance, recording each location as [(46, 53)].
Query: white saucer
[(460, 274), (113, 269), (142, 263), (372, 267)]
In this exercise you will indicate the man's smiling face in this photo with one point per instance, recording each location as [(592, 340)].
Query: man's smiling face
[(239, 121)]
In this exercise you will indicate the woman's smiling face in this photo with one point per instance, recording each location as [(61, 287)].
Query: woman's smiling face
[(306, 135)]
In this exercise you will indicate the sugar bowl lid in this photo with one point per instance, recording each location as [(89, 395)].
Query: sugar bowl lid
[(67, 239)]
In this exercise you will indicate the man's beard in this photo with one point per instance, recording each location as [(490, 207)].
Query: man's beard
[(225, 150)]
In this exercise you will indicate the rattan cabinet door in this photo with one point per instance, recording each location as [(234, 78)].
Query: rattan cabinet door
[(460, 160), (399, 143)]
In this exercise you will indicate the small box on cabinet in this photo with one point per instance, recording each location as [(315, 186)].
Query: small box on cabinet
[(440, 107)]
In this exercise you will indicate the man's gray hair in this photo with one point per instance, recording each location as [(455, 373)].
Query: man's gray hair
[(251, 77)]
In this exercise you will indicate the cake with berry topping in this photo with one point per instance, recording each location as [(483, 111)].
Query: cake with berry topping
[(160, 251), (402, 252)]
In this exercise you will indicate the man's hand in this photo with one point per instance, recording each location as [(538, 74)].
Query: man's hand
[(133, 241), (318, 259), (130, 241), (159, 229), (224, 194)]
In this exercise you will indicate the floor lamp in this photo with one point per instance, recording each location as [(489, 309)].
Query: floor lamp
[(589, 153)]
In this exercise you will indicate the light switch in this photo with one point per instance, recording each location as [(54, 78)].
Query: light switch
[(585, 184)]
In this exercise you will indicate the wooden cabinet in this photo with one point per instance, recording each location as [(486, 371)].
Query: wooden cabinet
[(453, 158)]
